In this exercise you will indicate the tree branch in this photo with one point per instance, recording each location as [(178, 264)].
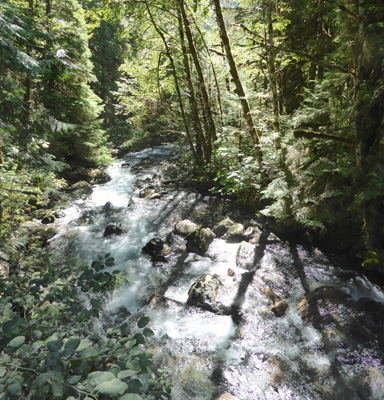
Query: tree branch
[(302, 133)]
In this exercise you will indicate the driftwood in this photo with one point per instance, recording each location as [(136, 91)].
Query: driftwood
[(302, 133)]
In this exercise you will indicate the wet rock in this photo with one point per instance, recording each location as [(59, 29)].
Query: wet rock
[(204, 292), (235, 233), (280, 306), (153, 195), (97, 176), (134, 200), (221, 228), (245, 256), (48, 218), (176, 242), (254, 238), (4, 264), (353, 323), (158, 300), (82, 187), (157, 249), (199, 241), (125, 165), (107, 207), (185, 227), (112, 230)]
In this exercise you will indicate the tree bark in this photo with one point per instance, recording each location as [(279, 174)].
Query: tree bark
[(174, 73), (239, 87), (272, 78), (203, 87), (201, 144)]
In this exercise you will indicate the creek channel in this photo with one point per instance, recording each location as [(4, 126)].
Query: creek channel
[(328, 343)]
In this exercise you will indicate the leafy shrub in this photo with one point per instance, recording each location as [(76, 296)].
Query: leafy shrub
[(50, 351)]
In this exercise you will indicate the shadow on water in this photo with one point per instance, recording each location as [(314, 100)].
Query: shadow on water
[(217, 376), (342, 387)]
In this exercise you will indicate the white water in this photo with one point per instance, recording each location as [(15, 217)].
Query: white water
[(209, 355)]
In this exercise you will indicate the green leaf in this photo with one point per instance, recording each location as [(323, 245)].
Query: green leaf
[(139, 338), (14, 389), (57, 389), (97, 265), (54, 345), (98, 377), (134, 386), (84, 344), (88, 353), (143, 322), (148, 332), (3, 371), (112, 388), (109, 261), (126, 373), (130, 396), (136, 351), (17, 342), (72, 344), (130, 344)]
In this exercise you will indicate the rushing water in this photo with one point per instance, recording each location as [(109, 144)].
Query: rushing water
[(214, 356)]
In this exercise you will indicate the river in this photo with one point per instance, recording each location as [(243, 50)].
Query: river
[(328, 344)]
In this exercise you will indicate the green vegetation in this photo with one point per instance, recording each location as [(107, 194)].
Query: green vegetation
[(51, 347), (280, 103)]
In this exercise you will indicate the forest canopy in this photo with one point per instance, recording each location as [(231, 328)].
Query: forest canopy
[(280, 103)]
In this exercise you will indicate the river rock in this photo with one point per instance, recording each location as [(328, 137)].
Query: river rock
[(245, 256), (112, 230), (185, 227), (48, 218), (203, 293), (199, 241), (157, 249), (97, 176), (81, 187), (343, 320), (221, 228), (235, 233), (280, 306), (158, 300)]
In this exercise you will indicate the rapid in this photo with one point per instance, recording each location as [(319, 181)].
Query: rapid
[(328, 344)]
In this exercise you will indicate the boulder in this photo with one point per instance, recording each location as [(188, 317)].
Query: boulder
[(48, 218), (185, 227), (221, 228), (107, 207), (82, 187), (245, 256), (199, 241), (112, 230), (157, 249), (204, 292), (98, 176), (125, 165), (235, 233)]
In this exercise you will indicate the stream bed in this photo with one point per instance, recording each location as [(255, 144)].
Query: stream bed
[(326, 343)]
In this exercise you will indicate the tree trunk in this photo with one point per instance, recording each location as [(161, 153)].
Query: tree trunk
[(174, 73), (203, 87), (273, 79), (201, 144), (369, 119), (239, 87)]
